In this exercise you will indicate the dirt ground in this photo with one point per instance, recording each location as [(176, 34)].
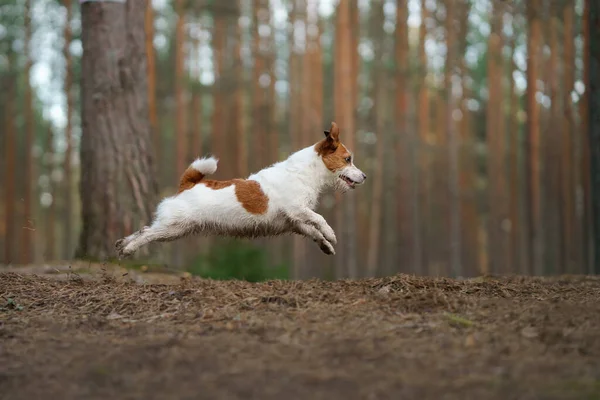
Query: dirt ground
[(115, 336)]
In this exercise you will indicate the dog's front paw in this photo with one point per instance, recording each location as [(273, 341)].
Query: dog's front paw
[(326, 247)]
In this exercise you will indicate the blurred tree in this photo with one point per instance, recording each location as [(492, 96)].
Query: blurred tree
[(261, 124), (593, 19), (590, 254), (496, 139), (151, 62), (378, 77), (180, 91), (453, 140), (423, 129), (68, 179), (517, 251), (468, 172), (238, 112), (28, 227), (218, 122), (116, 144), (553, 208), (50, 223), (570, 233), (533, 137), (197, 109), (10, 167)]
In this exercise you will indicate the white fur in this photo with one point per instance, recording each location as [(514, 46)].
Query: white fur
[(292, 187), (207, 165)]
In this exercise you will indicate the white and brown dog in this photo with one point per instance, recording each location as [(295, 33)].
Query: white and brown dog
[(276, 200)]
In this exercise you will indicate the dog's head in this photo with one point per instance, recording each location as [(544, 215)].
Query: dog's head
[(339, 160)]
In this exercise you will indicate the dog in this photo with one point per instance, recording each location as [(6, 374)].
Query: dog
[(277, 200)]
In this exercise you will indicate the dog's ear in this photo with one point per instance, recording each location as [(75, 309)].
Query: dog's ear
[(333, 134)]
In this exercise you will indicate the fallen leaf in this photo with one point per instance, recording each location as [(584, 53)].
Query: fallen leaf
[(470, 341), (529, 332)]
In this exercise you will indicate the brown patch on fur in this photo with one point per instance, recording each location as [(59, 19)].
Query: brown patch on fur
[(189, 179), (333, 152), (216, 185), (248, 193)]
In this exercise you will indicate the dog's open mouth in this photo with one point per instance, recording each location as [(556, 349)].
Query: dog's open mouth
[(348, 181)]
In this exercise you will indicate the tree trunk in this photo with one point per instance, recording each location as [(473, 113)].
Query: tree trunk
[(379, 107), (218, 126), (50, 226), (586, 215), (423, 129), (570, 233), (533, 138), (10, 149), (68, 180), (468, 190), (116, 151), (594, 125), (453, 144), (260, 101), (555, 204), (28, 227), (151, 62), (499, 200), (180, 117), (517, 252), (238, 107)]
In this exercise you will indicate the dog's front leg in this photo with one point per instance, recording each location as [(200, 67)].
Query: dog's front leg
[(312, 218), (313, 233)]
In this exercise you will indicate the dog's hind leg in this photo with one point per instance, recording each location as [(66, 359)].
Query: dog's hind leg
[(155, 233)]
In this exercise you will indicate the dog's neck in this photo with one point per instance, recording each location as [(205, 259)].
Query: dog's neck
[(309, 167)]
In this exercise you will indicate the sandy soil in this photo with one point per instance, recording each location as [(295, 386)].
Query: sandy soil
[(106, 336)]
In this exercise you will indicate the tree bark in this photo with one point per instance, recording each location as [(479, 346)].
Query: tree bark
[(238, 106), (533, 139), (594, 125), (423, 129), (379, 107), (499, 200), (517, 254), (453, 144), (50, 225), (117, 174), (151, 62), (570, 233), (218, 126), (10, 149), (180, 100), (260, 99), (68, 183), (585, 167), (468, 207), (28, 226)]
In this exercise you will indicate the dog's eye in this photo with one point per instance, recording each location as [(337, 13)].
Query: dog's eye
[(348, 159)]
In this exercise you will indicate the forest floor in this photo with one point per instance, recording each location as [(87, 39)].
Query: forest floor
[(107, 335)]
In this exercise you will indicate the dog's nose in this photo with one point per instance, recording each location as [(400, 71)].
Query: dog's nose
[(364, 177)]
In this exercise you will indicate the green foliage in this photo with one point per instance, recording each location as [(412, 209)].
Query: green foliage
[(11, 304), (237, 260)]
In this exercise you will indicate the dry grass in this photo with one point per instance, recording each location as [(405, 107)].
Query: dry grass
[(406, 336)]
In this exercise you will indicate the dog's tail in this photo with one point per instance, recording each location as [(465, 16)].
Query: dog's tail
[(196, 172)]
